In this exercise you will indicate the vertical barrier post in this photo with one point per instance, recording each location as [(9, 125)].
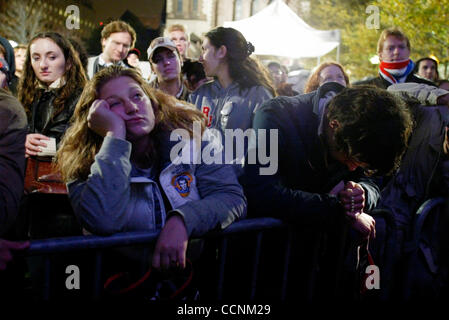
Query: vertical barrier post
[(341, 259), (256, 265), (221, 261), (47, 273), (288, 249), (98, 286)]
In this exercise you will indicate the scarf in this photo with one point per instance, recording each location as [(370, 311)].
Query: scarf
[(396, 72)]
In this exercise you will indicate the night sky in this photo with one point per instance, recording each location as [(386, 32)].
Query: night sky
[(149, 11)]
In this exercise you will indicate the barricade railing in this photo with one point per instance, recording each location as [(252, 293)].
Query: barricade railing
[(256, 228), (54, 246), (426, 226), (423, 211)]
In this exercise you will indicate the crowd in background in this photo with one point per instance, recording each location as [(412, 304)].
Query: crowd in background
[(344, 150)]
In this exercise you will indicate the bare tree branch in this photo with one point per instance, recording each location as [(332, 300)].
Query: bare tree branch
[(22, 20)]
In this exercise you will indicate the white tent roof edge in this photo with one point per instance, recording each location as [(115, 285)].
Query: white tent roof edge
[(264, 28)]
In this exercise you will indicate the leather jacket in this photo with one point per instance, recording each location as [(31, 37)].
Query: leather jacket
[(42, 120)]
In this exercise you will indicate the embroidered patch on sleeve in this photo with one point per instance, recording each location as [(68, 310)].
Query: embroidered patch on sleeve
[(181, 182)]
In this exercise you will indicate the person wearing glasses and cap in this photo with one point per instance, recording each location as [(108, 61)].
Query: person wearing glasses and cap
[(166, 64)]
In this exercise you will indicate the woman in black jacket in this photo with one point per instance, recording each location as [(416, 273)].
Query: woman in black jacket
[(51, 85)]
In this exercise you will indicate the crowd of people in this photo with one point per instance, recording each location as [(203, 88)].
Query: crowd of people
[(343, 150)]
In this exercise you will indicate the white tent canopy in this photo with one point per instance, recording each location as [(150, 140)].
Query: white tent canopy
[(278, 31)]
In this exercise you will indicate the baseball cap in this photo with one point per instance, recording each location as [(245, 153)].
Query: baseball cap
[(274, 63), (135, 51), (161, 42)]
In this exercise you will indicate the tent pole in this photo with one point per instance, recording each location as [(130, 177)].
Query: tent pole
[(338, 53)]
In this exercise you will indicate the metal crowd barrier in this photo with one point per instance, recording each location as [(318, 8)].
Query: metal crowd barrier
[(255, 228), (429, 210), (52, 246), (423, 212)]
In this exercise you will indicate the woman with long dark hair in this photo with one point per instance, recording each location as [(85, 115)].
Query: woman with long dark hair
[(52, 82), (241, 83)]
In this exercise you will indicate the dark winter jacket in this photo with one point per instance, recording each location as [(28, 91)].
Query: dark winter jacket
[(424, 170), (384, 84), (13, 132), (11, 60), (299, 190)]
